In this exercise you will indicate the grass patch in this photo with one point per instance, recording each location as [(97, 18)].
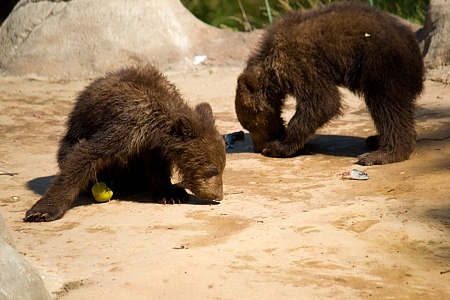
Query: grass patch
[(246, 15)]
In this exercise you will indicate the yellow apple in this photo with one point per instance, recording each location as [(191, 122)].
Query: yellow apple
[(101, 192)]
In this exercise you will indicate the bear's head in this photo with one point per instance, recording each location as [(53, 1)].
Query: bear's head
[(258, 109), (200, 153)]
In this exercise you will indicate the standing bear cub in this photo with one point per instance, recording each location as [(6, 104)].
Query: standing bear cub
[(308, 55), (129, 129)]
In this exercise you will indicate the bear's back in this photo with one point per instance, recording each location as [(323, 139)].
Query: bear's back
[(133, 96), (338, 19), (344, 42)]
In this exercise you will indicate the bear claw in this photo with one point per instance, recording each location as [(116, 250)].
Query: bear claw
[(36, 217)]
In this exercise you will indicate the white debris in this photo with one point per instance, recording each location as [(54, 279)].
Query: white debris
[(199, 59), (354, 174)]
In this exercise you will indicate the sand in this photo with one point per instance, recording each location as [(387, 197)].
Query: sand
[(286, 228)]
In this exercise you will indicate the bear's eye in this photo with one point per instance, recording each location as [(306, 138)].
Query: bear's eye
[(212, 171)]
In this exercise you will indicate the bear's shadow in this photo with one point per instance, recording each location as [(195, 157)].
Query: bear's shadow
[(41, 184), (333, 145)]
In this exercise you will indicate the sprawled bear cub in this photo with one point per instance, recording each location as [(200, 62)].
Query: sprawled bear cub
[(129, 129), (308, 55)]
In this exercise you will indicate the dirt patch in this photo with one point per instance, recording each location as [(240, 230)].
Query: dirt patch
[(69, 286), (286, 229)]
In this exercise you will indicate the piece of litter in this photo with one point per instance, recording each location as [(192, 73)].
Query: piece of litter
[(231, 137), (180, 248), (199, 59), (7, 173), (366, 34), (354, 174)]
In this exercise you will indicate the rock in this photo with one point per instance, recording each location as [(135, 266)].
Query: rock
[(5, 236), (84, 38), (434, 40), (18, 279)]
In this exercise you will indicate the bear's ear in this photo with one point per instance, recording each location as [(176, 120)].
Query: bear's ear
[(249, 80), (205, 113), (183, 128)]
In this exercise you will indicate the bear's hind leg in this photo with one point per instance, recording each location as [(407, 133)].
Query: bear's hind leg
[(394, 121), (312, 112)]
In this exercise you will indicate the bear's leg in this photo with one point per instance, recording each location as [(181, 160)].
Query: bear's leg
[(394, 121), (312, 112), (158, 173), (64, 148), (80, 167)]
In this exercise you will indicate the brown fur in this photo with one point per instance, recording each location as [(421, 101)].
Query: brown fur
[(308, 55), (129, 129)]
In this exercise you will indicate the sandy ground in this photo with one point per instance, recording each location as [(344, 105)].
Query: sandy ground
[(286, 229)]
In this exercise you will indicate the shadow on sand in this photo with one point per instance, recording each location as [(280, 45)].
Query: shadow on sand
[(334, 145), (41, 184)]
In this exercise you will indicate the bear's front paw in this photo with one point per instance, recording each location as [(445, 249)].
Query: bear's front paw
[(275, 149), (174, 194), (380, 158), (42, 211)]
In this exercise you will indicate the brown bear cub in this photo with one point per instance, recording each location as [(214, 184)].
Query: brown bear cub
[(308, 55), (129, 129)]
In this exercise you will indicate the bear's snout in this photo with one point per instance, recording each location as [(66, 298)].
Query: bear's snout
[(215, 193), (207, 189)]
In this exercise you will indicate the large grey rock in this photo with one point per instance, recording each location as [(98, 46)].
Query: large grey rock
[(5, 236), (434, 39), (84, 37), (18, 279)]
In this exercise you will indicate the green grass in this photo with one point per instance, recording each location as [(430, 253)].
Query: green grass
[(245, 15)]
